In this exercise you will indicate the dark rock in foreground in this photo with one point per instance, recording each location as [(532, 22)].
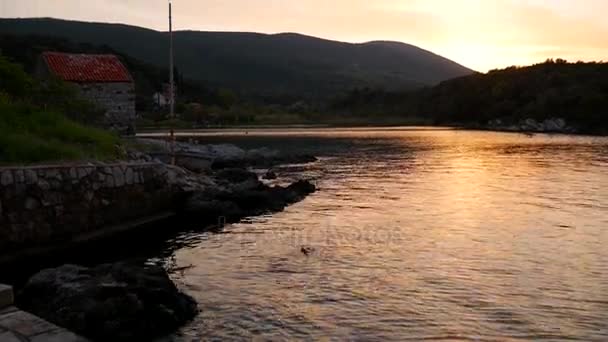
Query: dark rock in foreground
[(236, 175), (242, 195), (114, 302)]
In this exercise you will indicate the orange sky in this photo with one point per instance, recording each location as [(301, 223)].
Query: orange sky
[(481, 34)]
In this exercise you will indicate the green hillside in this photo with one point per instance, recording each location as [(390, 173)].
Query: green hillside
[(47, 122), (282, 64)]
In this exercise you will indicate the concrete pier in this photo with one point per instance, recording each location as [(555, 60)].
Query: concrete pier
[(20, 326)]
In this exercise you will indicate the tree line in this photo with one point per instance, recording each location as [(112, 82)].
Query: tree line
[(576, 92)]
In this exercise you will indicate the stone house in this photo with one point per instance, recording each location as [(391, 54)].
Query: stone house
[(102, 79)]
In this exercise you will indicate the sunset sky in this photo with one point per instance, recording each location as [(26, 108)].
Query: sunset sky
[(480, 34)]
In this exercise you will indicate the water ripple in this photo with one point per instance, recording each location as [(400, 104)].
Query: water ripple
[(418, 235)]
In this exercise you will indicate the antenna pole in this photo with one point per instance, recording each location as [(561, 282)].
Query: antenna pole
[(171, 86)]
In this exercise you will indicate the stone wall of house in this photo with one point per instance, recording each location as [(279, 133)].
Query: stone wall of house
[(118, 99), (47, 204)]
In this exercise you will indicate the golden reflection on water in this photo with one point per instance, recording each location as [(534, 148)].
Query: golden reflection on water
[(444, 235)]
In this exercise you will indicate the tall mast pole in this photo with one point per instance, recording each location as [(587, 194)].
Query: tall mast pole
[(171, 85)]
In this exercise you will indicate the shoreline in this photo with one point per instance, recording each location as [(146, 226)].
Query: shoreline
[(286, 129), (230, 177), (50, 205), (531, 132), (212, 183), (282, 129)]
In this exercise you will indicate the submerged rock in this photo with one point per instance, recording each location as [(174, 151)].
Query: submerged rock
[(113, 302)]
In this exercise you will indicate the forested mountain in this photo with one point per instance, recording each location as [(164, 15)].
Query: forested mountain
[(289, 64), (272, 74), (576, 92)]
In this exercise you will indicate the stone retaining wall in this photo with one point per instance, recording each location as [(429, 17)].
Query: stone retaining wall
[(46, 204)]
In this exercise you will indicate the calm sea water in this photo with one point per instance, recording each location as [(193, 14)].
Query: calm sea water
[(418, 235)]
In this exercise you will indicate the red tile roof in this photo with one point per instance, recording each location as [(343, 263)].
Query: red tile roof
[(86, 68)]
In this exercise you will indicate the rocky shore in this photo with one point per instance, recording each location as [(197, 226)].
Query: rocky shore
[(204, 158), (553, 125), (210, 185), (218, 183), (114, 302)]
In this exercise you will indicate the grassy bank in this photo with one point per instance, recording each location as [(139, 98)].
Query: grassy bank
[(31, 135), (47, 122)]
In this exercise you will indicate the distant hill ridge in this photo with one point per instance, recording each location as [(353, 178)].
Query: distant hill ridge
[(285, 63)]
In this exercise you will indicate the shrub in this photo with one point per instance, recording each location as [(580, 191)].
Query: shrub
[(29, 134), (43, 121), (13, 80), (63, 97)]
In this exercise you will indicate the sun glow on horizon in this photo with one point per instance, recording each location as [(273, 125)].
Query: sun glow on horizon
[(479, 34)]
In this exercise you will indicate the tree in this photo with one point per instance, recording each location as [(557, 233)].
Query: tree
[(13, 79), (227, 98)]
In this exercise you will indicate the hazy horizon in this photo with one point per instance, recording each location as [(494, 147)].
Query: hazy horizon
[(475, 33)]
